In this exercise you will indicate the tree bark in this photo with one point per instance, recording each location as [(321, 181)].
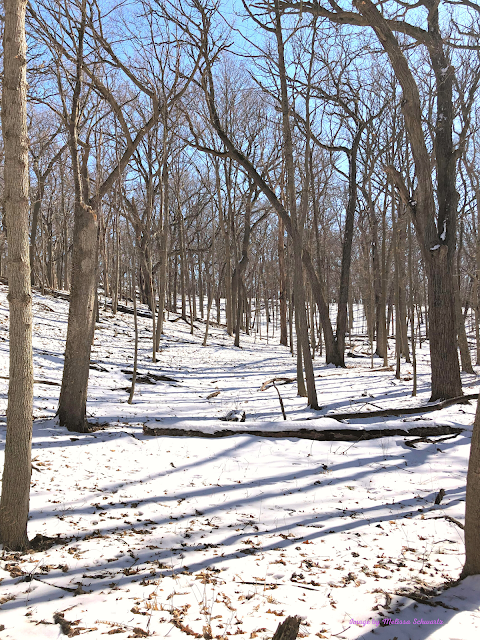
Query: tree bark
[(14, 503), (288, 629)]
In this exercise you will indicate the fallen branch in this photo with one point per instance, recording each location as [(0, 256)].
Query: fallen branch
[(148, 377), (274, 585), (50, 382), (450, 519), (412, 443), (77, 590), (401, 411), (281, 402), (189, 322)]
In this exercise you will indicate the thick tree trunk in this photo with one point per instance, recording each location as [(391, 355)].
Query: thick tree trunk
[(14, 503), (446, 381)]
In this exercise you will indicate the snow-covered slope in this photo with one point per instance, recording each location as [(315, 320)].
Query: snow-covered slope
[(211, 537)]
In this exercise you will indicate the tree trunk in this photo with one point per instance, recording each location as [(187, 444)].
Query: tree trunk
[(135, 325), (35, 213), (297, 223), (347, 248), (14, 504), (446, 382), (461, 332), (283, 284), (81, 321), (400, 242), (116, 271), (472, 505)]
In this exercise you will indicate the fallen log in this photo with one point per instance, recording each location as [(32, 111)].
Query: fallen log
[(400, 411), (272, 381), (148, 377), (344, 435)]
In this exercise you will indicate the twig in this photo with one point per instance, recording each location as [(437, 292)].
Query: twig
[(50, 584), (278, 584)]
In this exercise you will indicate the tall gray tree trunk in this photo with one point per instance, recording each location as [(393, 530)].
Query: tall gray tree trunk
[(14, 503)]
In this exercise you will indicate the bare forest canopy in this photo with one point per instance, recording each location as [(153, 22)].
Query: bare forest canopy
[(286, 161)]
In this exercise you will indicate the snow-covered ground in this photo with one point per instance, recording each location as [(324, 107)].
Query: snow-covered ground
[(212, 537)]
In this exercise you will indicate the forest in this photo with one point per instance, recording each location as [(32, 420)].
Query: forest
[(240, 247)]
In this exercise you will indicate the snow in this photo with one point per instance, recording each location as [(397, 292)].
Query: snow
[(211, 537), (443, 235)]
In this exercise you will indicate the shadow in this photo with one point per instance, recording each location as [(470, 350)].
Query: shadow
[(179, 551)]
